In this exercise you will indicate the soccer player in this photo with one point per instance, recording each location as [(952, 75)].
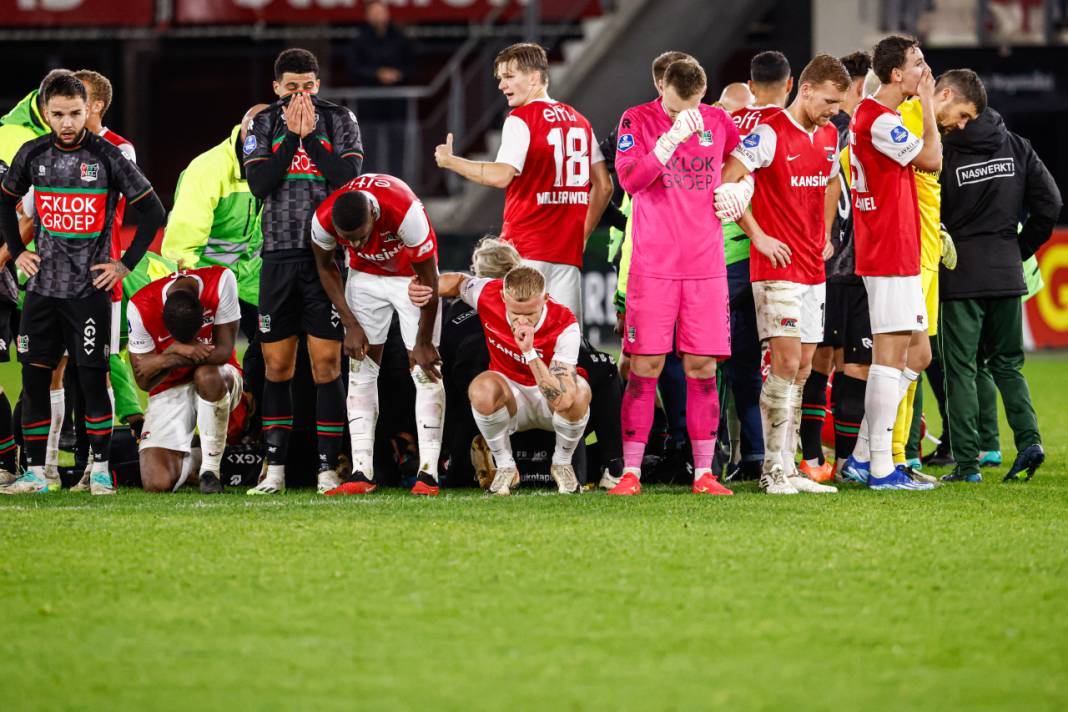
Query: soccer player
[(389, 241), (550, 165), (531, 384), (77, 178), (887, 235), (735, 96), (795, 153), (182, 332), (669, 156), (298, 151)]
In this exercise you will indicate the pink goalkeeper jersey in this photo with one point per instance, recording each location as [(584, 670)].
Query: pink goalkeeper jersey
[(675, 231)]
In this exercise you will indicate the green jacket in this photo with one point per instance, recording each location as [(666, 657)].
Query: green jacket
[(23, 123), (216, 220)]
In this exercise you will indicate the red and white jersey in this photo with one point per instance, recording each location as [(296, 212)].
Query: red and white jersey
[(115, 252), (556, 336), (749, 117), (552, 147), (792, 169), (218, 294), (401, 235), (885, 209)]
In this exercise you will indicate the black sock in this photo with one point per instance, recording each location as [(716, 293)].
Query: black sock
[(848, 400), (813, 413), (98, 413), (36, 413), (8, 449), (277, 420), (329, 421)]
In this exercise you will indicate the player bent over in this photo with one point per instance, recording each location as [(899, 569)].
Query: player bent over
[(795, 153), (531, 384), (389, 240), (182, 331)]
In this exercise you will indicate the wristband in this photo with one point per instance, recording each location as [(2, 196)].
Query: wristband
[(529, 356)]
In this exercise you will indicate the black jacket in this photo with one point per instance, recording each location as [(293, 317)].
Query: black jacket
[(991, 181)]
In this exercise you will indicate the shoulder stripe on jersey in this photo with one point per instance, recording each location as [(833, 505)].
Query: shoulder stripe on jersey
[(131, 201)]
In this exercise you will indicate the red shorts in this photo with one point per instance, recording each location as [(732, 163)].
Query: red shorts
[(691, 316)]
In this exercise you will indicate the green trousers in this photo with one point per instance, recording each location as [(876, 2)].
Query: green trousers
[(991, 331)]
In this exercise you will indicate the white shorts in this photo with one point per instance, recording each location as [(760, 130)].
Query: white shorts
[(116, 326), (532, 411), (374, 297), (171, 416), (563, 283), (790, 309), (896, 304)]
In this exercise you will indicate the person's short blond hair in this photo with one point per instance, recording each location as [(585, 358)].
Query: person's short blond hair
[(524, 283), (98, 86), (493, 258)]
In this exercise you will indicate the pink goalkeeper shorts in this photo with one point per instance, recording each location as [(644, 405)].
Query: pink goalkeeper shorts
[(690, 316)]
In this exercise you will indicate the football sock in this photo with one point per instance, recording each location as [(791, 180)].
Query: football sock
[(636, 417), (277, 420), (361, 405), (8, 449), (880, 407), (98, 414), (775, 416), (212, 419), (429, 420), (329, 421), (494, 429), (57, 399), (793, 411), (36, 418), (847, 400), (702, 420), (813, 414), (568, 436)]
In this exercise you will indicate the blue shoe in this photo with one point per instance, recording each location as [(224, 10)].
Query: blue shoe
[(990, 458), (898, 480), (856, 471), (956, 476), (1030, 459), (29, 483)]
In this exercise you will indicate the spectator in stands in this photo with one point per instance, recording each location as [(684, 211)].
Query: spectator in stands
[(382, 56)]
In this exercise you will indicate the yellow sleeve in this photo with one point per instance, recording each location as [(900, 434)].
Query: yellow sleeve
[(190, 221), (928, 191)]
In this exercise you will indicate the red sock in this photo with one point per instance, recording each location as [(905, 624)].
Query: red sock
[(636, 417), (702, 419)]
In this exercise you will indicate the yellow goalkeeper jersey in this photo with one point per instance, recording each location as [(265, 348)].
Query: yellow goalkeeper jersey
[(929, 192)]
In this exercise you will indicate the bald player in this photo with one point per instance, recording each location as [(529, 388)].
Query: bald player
[(735, 96)]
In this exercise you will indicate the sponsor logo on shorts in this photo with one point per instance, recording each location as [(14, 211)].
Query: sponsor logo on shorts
[(335, 318), (145, 435), (899, 134), (788, 323), (89, 335), (22, 344), (866, 343), (631, 336), (90, 171), (626, 142), (919, 319), (265, 323)]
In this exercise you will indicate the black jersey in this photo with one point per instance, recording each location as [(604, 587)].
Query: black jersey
[(75, 191), (842, 265), (288, 209)]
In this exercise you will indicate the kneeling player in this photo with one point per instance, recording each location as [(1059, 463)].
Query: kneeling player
[(531, 383), (182, 330), (389, 241)]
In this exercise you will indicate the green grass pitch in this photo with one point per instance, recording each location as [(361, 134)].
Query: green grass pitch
[(955, 599)]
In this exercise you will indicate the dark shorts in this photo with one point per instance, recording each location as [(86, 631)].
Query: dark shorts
[(8, 310), (848, 325), (292, 301), (51, 325)]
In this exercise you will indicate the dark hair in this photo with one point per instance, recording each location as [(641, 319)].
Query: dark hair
[(350, 211), (825, 68), (183, 315), (686, 77), (528, 56), (665, 60), (65, 85), (49, 77), (966, 86), (890, 54), (769, 67), (295, 61), (857, 64)]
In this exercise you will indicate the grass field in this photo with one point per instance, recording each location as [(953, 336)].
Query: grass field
[(955, 599)]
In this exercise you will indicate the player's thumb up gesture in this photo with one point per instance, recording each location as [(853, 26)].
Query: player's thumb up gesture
[(686, 124), (443, 153)]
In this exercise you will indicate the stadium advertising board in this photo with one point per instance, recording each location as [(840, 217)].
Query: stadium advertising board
[(213, 12), (1046, 314), (76, 13)]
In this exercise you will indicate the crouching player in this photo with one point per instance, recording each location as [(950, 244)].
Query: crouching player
[(182, 330), (390, 241), (531, 383)]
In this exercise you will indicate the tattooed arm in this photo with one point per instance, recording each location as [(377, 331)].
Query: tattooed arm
[(556, 381)]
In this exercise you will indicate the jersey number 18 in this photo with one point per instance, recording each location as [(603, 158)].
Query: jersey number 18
[(575, 146)]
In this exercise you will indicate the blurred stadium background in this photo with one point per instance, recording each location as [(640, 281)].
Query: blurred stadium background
[(184, 71)]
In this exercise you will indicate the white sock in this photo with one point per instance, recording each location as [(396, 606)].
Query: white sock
[(789, 450), (880, 407), (862, 450), (59, 406), (494, 428), (361, 403), (189, 463), (276, 474), (908, 377), (212, 419), (775, 416), (101, 468), (568, 436), (38, 471), (429, 420)]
